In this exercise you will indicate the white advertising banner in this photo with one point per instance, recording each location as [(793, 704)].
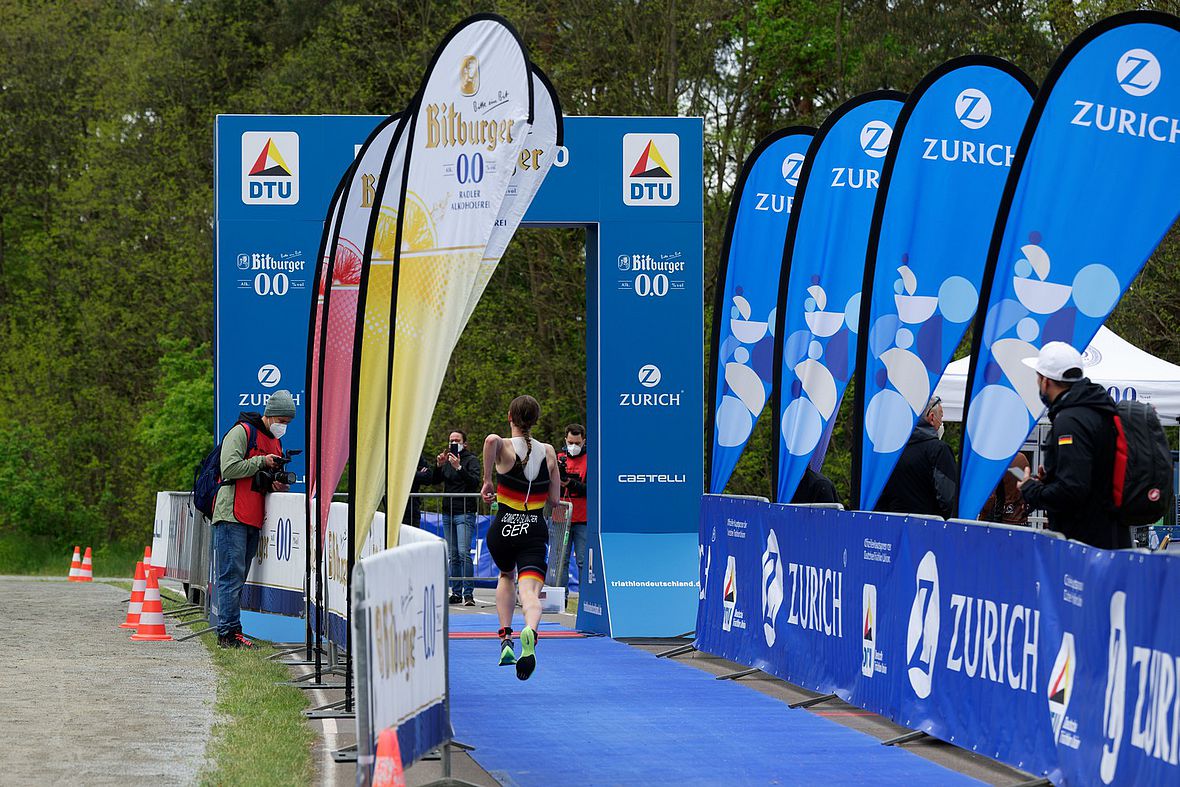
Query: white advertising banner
[(336, 562), (466, 135), (162, 529), (280, 561), (399, 600)]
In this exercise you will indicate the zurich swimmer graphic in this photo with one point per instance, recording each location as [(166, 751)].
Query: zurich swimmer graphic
[(908, 345), (1042, 310), (747, 353), (813, 355)]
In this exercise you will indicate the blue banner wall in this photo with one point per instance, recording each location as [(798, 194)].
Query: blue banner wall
[(823, 267), (741, 366), (940, 189), (1091, 193), (1052, 656)]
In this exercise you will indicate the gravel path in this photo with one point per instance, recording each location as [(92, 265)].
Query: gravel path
[(82, 704)]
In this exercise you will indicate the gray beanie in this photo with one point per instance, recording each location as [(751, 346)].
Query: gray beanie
[(280, 405)]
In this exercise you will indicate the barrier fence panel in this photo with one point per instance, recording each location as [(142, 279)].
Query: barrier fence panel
[(277, 575), (1047, 654), (399, 602), (336, 566)]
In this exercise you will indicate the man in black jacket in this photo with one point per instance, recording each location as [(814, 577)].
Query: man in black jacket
[(1074, 486), (923, 482), (457, 469)]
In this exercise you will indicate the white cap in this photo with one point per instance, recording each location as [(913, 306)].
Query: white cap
[(1057, 361)]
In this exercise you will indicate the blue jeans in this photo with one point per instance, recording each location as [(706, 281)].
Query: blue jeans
[(578, 544), (234, 546), (460, 530)]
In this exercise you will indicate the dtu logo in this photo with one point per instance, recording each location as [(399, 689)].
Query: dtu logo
[(651, 169), (270, 168), (868, 650), (729, 594), (792, 166), (875, 137), (973, 108), (1060, 688), (922, 638), (1138, 72)]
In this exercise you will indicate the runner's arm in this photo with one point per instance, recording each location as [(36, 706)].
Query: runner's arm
[(492, 446), (554, 476)]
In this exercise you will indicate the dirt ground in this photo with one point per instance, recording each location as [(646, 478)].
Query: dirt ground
[(82, 704)]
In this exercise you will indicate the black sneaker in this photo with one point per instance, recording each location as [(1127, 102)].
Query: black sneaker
[(469, 601), (456, 598), (243, 641), (228, 641)]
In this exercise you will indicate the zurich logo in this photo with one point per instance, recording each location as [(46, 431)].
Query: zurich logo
[(973, 109), (649, 375), (269, 375), (922, 637), (874, 138), (772, 588), (1138, 72), (792, 165)]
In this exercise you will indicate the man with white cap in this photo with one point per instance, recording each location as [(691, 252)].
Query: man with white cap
[(1075, 483)]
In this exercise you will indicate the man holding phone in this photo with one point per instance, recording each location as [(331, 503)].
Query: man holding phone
[(458, 470)]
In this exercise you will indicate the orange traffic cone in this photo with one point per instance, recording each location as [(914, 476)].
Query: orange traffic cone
[(387, 770), (147, 562), (136, 604), (76, 564), (151, 616), (86, 572)]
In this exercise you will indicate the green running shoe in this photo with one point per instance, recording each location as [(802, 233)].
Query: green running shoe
[(507, 654), (528, 658)]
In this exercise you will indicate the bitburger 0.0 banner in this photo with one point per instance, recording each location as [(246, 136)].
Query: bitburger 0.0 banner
[(329, 370), (545, 136), (823, 266), (1093, 190), (742, 352), (955, 140), (466, 134)]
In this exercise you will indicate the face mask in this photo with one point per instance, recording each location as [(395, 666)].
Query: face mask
[(1044, 397), (278, 430), (941, 431), (573, 450)]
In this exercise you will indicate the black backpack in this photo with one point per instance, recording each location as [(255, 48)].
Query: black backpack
[(1142, 483), (207, 478)]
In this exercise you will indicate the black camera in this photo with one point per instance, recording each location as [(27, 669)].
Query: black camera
[(561, 468), (265, 478)]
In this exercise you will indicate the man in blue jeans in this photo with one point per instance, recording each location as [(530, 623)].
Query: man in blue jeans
[(457, 469), (252, 444)]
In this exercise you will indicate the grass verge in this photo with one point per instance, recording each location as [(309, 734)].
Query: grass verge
[(43, 557), (260, 737)]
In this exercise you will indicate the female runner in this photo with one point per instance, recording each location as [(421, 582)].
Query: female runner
[(526, 478)]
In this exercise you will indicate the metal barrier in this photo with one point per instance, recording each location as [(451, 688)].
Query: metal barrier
[(185, 540)]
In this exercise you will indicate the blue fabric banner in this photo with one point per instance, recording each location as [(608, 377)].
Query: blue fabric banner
[(746, 290), (1091, 193), (823, 267), (940, 189), (1052, 656)]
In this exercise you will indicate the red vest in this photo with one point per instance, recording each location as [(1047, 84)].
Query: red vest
[(250, 506), (576, 465)]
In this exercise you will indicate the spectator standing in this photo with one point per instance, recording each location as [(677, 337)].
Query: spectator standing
[(253, 443), (924, 480), (571, 460), (1074, 487), (457, 469), (1006, 505), (815, 488)]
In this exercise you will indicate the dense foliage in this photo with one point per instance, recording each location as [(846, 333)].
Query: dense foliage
[(106, 120)]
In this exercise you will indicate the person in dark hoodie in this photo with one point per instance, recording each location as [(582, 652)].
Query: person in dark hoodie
[(238, 511), (457, 469), (1074, 487), (923, 482)]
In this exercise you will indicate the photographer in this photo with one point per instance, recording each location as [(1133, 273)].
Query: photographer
[(571, 461), (252, 461), (457, 469)]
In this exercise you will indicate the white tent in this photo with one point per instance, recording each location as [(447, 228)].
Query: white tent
[(1119, 366)]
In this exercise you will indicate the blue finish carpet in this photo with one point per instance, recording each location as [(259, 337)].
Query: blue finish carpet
[(599, 712)]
